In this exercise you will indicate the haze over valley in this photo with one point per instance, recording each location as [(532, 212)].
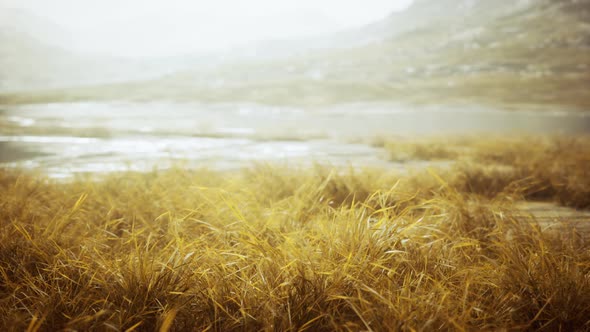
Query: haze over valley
[(505, 54), (294, 165), (334, 83)]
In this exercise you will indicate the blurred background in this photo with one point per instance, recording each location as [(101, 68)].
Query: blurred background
[(90, 86)]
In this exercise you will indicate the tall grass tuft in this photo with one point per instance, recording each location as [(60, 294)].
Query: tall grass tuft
[(317, 249)]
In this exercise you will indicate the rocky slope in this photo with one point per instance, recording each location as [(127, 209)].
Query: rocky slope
[(506, 53)]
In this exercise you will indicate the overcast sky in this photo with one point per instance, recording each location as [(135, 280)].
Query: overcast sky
[(166, 27)]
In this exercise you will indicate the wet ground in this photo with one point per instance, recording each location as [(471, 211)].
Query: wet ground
[(566, 222), (64, 139), (67, 138)]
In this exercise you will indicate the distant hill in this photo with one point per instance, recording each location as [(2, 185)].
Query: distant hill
[(504, 53), (25, 62), (33, 57), (21, 22)]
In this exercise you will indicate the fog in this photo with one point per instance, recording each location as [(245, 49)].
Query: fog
[(92, 86), (182, 165), (162, 28)]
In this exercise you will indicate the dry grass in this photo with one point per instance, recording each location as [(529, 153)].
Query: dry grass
[(541, 168), (271, 248)]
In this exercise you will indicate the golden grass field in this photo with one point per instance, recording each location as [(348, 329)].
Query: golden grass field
[(318, 249)]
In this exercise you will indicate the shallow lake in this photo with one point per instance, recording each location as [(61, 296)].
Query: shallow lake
[(68, 138)]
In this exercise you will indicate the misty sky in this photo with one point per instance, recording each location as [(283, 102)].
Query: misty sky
[(166, 27)]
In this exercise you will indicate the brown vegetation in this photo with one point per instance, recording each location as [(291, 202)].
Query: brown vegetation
[(270, 248)]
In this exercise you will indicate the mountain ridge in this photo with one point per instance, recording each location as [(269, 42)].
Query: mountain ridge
[(526, 53)]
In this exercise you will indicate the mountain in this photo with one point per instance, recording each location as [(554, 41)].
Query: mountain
[(20, 22), (503, 53), (34, 56), (28, 64), (23, 59)]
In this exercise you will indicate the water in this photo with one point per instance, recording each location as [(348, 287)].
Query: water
[(63, 139)]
